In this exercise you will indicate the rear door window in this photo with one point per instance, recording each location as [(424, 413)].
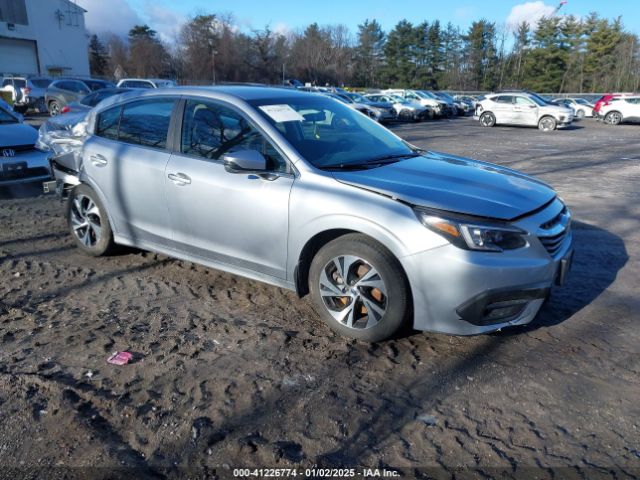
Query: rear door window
[(146, 122)]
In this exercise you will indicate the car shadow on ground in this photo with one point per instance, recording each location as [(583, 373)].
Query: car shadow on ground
[(599, 256), (22, 190)]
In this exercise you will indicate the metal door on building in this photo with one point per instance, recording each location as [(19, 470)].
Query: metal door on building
[(18, 56)]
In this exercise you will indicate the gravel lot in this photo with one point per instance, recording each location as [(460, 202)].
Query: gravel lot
[(231, 372)]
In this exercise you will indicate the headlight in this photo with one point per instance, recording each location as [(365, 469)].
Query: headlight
[(474, 235)]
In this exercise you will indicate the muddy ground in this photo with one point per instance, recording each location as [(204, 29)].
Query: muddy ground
[(229, 372)]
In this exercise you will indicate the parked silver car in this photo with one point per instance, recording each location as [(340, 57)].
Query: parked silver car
[(405, 109), (300, 191), (521, 108), (20, 161)]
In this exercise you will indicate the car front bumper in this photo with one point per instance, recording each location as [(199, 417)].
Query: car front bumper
[(463, 292), (24, 167)]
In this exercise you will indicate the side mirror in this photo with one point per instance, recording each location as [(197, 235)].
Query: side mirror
[(245, 161)]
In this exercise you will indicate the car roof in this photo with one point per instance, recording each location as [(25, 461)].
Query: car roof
[(245, 93)]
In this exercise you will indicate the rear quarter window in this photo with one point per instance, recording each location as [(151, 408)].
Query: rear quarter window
[(107, 123)]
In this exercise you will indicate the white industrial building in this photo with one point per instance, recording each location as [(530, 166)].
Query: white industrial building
[(45, 37)]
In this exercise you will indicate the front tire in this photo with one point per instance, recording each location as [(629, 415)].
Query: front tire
[(88, 222), (580, 114), (359, 288), (613, 118), (488, 119), (547, 124)]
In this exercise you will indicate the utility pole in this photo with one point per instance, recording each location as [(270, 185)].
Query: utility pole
[(213, 65)]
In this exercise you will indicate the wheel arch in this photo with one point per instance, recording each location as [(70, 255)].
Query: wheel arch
[(489, 112), (86, 181), (313, 246)]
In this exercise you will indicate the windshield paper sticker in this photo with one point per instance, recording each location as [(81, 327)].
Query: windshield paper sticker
[(282, 113)]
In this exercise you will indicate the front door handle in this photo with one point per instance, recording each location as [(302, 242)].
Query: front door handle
[(98, 160), (179, 178)]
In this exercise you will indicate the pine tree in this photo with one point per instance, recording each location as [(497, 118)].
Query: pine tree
[(480, 55), (369, 54), (98, 57), (399, 52)]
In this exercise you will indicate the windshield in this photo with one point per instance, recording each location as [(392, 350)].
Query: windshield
[(423, 94), (6, 117), (329, 134), (358, 98), (538, 99)]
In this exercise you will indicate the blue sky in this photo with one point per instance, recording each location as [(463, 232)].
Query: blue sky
[(166, 16)]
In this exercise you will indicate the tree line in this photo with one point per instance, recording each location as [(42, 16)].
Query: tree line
[(559, 54)]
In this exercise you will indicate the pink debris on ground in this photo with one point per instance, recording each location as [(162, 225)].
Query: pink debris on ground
[(120, 358)]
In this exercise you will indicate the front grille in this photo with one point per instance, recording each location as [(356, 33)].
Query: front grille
[(553, 232), (18, 148)]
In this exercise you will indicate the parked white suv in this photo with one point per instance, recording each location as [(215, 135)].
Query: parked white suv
[(619, 109), (521, 108)]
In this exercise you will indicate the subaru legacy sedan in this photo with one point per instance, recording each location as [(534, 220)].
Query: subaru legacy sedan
[(300, 191)]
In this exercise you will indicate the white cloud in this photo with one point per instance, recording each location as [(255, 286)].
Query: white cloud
[(163, 20), (530, 12), (281, 29), (113, 16)]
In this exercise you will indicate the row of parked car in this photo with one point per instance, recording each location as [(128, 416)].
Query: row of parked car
[(54, 95), (400, 104)]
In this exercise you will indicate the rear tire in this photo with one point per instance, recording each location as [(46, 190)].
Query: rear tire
[(488, 119), (359, 288), (613, 118), (547, 124), (88, 222), (54, 108)]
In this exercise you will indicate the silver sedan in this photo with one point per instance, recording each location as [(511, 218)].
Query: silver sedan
[(297, 190)]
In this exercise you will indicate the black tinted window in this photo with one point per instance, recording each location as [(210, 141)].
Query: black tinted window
[(41, 82), (107, 123), (504, 99), (211, 130), (146, 122), (136, 84)]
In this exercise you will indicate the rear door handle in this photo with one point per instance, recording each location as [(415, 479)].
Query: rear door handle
[(179, 178), (98, 160)]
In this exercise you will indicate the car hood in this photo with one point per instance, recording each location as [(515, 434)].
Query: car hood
[(67, 121), (455, 184), (17, 134), (557, 109)]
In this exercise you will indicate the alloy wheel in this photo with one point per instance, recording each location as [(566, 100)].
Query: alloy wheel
[(486, 120), (54, 108), (353, 292), (547, 124), (614, 118), (86, 221)]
